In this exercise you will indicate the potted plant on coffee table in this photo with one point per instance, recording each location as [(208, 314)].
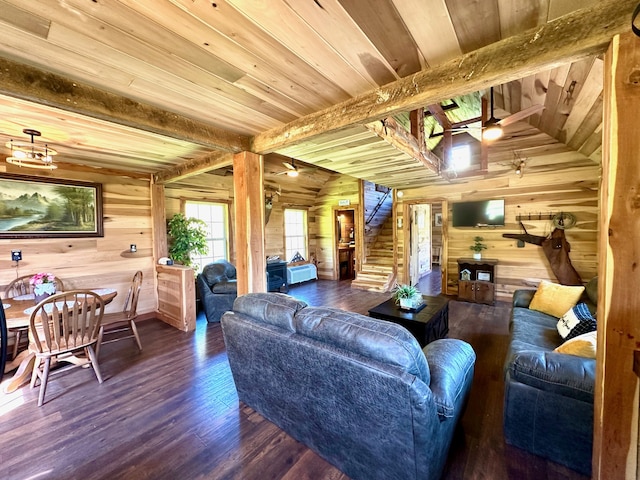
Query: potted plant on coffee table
[(477, 248), (407, 297)]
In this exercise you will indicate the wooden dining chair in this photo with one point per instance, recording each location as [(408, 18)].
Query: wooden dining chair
[(124, 320), (21, 286), (64, 324)]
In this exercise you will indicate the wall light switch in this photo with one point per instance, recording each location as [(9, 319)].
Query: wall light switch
[(133, 248), (16, 255)]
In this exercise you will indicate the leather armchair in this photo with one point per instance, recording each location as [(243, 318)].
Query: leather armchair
[(218, 290)]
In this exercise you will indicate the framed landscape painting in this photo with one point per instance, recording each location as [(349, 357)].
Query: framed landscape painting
[(34, 207)]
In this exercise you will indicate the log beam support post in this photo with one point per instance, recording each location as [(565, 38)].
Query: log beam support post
[(615, 452), (248, 186)]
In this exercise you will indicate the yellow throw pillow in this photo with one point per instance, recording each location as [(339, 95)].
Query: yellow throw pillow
[(554, 299), (583, 345)]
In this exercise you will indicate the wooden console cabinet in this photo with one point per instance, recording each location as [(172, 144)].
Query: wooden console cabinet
[(476, 280), (177, 296)]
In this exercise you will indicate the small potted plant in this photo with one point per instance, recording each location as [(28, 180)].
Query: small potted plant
[(407, 296), (477, 248)]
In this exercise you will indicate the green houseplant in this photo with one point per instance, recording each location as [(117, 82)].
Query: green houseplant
[(477, 247), (407, 296), (187, 235)]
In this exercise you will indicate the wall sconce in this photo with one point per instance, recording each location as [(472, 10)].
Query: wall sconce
[(520, 168), (399, 194)]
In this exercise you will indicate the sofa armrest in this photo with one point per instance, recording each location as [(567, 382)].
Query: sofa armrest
[(553, 372), (522, 298), (451, 363)]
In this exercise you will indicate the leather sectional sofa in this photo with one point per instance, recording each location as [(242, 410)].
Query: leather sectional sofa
[(358, 391), (548, 402)]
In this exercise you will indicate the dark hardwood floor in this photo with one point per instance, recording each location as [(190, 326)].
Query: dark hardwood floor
[(172, 412)]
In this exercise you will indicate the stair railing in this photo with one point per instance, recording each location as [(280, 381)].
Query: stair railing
[(377, 207)]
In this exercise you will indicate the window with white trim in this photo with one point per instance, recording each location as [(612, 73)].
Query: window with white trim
[(215, 216), (295, 233), (461, 157)]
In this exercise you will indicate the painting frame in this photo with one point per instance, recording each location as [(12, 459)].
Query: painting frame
[(47, 199), (437, 219)]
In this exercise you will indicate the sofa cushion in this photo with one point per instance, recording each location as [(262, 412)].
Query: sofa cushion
[(226, 286), (576, 321), (583, 345), (274, 308), (376, 339), (554, 299), (555, 373)]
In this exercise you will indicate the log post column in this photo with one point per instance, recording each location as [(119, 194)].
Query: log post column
[(616, 396), (248, 189)]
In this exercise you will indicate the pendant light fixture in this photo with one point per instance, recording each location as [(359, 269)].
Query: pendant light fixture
[(492, 129), (29, 154)]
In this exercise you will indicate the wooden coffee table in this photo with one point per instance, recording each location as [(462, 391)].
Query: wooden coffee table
[(428, 324)]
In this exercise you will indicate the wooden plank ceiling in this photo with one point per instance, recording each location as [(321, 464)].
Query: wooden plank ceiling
[(247, 67)]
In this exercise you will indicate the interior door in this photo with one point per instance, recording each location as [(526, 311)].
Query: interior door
[(420, 231)]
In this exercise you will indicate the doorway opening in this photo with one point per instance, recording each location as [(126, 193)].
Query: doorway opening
[(345, 235), (426, 247)]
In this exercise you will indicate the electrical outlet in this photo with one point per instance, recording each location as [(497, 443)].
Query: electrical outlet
[(16, 255)]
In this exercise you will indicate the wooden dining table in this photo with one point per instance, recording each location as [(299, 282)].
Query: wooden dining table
[(17, 311)]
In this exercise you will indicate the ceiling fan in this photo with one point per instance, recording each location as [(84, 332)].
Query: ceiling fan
[(493, 128), (292, 170)]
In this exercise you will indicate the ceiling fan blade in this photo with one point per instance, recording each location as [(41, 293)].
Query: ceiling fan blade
[(290, 166), (521, 115)]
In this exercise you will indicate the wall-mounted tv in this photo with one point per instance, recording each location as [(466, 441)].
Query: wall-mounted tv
[(484, 213)]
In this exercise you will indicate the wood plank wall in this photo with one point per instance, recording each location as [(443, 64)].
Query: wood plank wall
[(286, 192), (95, 262), (206, 187), (338, 187), (571, 188)]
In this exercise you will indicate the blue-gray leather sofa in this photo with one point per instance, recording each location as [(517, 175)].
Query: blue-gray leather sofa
[(548, 399), (218, 288), (358, 391)]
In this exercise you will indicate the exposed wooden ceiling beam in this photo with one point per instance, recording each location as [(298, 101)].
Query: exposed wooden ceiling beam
[(441, 117), (32, 84), (416, 118), (401, 139), (189, 168), (572, 37), (463, 123)]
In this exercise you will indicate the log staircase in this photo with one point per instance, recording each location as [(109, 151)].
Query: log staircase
[(376, 274)]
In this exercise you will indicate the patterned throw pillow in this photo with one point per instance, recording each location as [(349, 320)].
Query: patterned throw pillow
[(576, 321)]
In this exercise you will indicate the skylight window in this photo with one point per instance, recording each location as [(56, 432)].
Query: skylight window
[(461, 157)]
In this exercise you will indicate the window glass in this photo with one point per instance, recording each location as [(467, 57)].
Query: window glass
[(215, 216), (461, 157), (295, 233)]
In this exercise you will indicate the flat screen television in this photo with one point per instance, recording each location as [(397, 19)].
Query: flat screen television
[(484, 213)]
